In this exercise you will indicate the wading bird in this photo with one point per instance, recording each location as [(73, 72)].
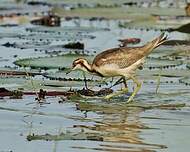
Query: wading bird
[(121, 61)]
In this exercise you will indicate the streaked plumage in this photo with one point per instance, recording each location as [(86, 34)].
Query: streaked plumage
[(121, 61)]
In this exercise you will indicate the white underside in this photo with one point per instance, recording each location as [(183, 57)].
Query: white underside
[(112, 70)]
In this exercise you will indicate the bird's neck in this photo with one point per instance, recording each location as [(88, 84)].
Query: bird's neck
[(88, 67)]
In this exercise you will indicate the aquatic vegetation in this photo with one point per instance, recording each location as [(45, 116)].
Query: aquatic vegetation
[(153, 63), (183, 28), (43, 107), (57, 62), (185, 80), (67, 136), (169, 72), (6, 72)]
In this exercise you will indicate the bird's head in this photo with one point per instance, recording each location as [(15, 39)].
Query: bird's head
[(81, 64)]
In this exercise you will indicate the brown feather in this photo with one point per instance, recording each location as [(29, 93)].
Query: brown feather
[(126, 56)]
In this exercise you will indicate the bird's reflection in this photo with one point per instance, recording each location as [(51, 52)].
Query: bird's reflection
[(119, 126)]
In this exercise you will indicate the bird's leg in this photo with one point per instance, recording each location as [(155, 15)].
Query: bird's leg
[(120, 81), (136, 89), (111, 81), (117, 82), (85, 82), (104, 80), (125, 82), (123, 91)]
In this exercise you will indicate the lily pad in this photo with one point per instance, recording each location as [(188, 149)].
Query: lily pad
[(54, 37), (166, 52), (182, 52), (55, 62), (62, 30), (185, 81), (30, 84), (66, 136), (18, 72), (165, 72), (77, 75), (153, 63), (183, 28), (65, 61)]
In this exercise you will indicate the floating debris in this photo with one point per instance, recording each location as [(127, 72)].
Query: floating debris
[(9, 44), (125, 42), (38, 3), (50, 20), (88, 92), (74, 45), (4, 92), (15, 94), (97, 19), (130, 4)]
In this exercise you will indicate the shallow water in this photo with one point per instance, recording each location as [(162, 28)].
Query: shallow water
[(153, 122)]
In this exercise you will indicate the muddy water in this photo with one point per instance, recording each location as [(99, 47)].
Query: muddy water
[(153, 122)]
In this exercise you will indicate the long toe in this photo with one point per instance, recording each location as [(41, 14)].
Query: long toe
[(125, 90), (108, 96), (130, 100)]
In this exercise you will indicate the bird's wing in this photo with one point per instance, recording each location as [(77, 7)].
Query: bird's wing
[(126, 56), (123, 57)]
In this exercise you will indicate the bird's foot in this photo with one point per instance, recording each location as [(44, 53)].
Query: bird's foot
[(135, 91), (125, 90), (130, 100), (107, 97)]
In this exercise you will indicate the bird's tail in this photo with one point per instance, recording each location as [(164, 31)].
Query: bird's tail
[(155, 43)]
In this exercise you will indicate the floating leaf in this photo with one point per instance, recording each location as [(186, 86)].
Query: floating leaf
[(165, 72), (185, 80), (67, 136), (54, 62), (62, 30), (153, 63)]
